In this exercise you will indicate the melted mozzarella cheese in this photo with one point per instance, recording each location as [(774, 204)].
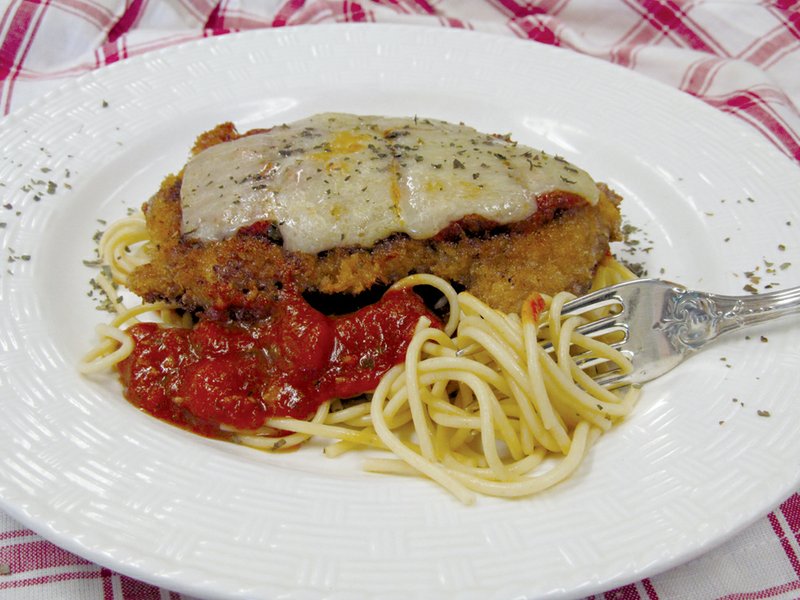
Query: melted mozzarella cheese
[(346, 180)]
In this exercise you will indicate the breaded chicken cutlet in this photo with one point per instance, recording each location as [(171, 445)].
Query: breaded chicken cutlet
[(340, 203)]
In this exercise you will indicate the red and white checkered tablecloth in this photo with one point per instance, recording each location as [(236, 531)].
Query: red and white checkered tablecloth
[(742, 57)]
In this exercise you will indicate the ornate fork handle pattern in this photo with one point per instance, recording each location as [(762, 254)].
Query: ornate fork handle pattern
[(692, 319)]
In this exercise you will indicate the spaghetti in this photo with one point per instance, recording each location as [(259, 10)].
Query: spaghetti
[(490, 403)]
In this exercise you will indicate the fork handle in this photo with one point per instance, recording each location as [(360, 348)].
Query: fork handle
[(711, 315)]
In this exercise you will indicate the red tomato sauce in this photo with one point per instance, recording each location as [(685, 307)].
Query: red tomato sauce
[(537, 306), (242, 373)]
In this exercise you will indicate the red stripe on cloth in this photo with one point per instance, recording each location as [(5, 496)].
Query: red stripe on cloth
[(425, 7), (91, 12), (38, 554), (778, 42), (217, 32), (787, 547), (625, 50), (669, 17), (128, 19), (45, 579), (16, 533), (700, 75), (751, 107), (516, 9), (18, 43), (55, 557), (355, 13), (398, 6), (409, 7), (131, 588), (453, 22), (626, 592), (214, 20), (791, 512), (15, 38), (108, 53), (536, 29), (786, 50), (244, 20), (650, 589), (108, 584), (792, 16), (285, 12)]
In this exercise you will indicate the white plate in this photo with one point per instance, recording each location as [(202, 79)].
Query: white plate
[(86, 470)]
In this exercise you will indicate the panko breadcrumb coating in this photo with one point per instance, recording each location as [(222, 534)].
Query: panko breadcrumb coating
[(557, 248)]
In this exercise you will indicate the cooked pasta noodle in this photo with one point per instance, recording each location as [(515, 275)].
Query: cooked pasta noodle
[(481, 406), (121, 246)]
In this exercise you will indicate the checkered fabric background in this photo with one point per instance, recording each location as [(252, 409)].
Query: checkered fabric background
[(741, 57)]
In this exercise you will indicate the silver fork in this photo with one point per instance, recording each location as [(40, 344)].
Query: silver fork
[(661, 323)]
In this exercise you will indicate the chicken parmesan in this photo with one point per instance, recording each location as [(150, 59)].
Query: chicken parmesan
[(341, 204), (283, 272)]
